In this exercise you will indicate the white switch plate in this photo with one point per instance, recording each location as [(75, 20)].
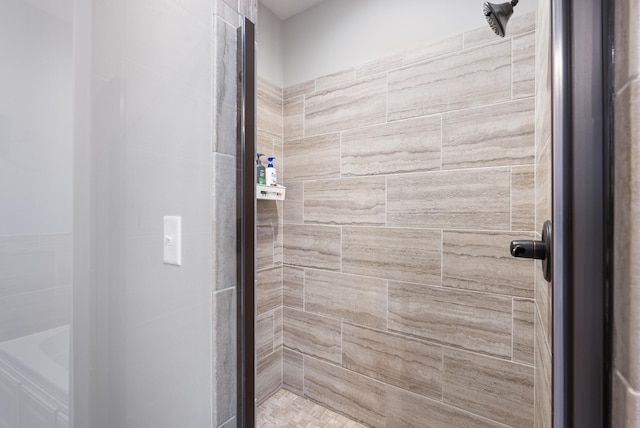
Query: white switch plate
[(173, 240)]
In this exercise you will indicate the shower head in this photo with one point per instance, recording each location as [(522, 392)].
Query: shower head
[(498, 15)]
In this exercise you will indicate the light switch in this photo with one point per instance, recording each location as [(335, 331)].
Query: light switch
[(173, 240)]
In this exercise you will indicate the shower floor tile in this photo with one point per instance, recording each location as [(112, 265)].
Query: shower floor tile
[(286, 409)]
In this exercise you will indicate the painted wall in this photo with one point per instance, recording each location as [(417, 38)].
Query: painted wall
[(407, 177), (626, 364), (337, 34), (270, 51)]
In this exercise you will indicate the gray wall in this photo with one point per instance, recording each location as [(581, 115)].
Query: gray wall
[(337, 34), (626, 375)]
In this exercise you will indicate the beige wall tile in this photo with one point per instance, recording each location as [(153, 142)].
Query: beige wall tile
[(294, 203), (264, 247), (346, 297), (393, 359), (351, 105), (406, 409), (293, 287), (293, 117), (401, 254), (523, 190), (312, 334), (472, 321), (425, 51), (489, 387), (278, 327), (524, 65), (360, 397), (312, 246), (495, 135), (312, 158), (473, 199), (626, 403), (543, 74), (269, 112), (345, 201), (467, 79), (523, 330), (268, 290), (299, 89), (627, 235), (269, 376), (627, 41), (543, 379), (264, 335), (334, 79), (481, 261), (406, 146), (544, 302), (292, 371), (518, 24), (379, 66), (543, 187)]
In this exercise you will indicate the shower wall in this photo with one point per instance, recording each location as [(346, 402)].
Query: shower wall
[(269, 250), (407, 178), (543, 289), (626, 364)]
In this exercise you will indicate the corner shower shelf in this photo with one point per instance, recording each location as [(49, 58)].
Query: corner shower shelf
[(270, 193)]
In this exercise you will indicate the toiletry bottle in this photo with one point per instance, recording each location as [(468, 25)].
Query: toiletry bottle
[(260, 174), (272, 178)]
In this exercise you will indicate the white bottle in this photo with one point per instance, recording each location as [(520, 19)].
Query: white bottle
[(272, 177)]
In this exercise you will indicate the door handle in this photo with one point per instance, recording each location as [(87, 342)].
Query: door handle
[(538, 250)]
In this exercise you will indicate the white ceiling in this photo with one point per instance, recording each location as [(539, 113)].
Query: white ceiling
[(284, 9)]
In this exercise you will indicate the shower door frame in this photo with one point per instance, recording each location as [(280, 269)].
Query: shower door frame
[(582, 207)]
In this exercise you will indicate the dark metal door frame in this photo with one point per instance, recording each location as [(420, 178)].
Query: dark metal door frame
[(246, 214), (582, 208)]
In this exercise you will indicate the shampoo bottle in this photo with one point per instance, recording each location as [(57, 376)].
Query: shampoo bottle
[(272, 178), (260, 174)]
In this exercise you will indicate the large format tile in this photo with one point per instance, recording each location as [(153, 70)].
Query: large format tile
[(625, 403), (472, 321), (348, 201), (402, 254), (481, 261), (358, 103), (379, 66), (292, 371), (523, 330), (312, 158), (464, 199), (312, 246), (524, 66), (627, 42), (299, 89), (423, 52), (293, 118), (264, 247), (497, 135), (269, 113), (312, 334), (543, 379), (268, 290), (334, 79), (346, 297), (223, 341), (466, 79), (496, 389), (293, 206), (293, 287), (391, 148), (518, 24), (349, 393), (393, 359), (406, 409), (223, 230), (268, 376), (264, 335), (523, 200)]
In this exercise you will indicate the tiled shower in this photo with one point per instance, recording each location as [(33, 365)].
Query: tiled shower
[(386, 291)]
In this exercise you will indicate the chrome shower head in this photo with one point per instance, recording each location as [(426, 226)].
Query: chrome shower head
[(498, 15)]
